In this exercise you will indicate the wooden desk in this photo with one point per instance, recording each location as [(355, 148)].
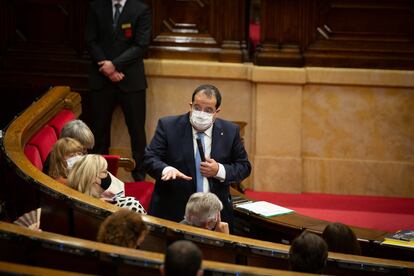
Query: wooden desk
[(284, 228)]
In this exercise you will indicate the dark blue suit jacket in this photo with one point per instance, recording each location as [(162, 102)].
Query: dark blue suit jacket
[(125, 46), (172, 145)]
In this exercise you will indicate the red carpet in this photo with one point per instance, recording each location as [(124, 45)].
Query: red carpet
[(375, 212)]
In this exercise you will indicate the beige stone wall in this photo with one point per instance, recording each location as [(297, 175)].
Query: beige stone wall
[(330, 130)]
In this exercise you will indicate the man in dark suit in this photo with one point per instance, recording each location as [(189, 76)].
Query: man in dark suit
[(117, 35), (171, 157)]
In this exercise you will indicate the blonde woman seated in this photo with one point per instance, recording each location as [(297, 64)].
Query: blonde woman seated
[(65, 152), (90, 176), (203, 210)]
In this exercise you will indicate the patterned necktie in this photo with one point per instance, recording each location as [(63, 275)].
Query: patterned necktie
[(117, 14), (197, 163)]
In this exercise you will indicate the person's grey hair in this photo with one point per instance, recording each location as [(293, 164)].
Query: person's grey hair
[(78, 130), (202, 208)]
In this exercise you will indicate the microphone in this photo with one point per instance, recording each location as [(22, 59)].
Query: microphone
[(201, 150)]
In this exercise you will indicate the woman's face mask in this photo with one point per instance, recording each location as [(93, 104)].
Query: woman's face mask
[(72, 160), (106, 182), (201, 120)]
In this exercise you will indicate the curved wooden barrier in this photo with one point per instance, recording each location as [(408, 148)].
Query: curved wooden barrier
[(7, 268), (69, 212), (44, 249)]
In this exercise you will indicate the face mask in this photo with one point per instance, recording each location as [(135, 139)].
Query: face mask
[(201, 120), (106, 182), (72, 160)]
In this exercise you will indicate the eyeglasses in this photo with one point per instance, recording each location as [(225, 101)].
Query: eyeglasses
[(208, 110)]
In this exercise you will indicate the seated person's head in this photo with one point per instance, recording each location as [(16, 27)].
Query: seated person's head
[(78, 130), (65, 152), (90, 176), (182, 258), (123, 228), (341, 238), (203, 210), (308, 253)]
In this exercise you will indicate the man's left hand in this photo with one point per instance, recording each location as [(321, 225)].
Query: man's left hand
[(107, 67), (209, 168)]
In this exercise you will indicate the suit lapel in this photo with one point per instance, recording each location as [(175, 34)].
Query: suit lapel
[(109, 14), (215, 139), (188, 146)]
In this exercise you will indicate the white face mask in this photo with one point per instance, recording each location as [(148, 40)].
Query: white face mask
[(72, 160), (201, 120)]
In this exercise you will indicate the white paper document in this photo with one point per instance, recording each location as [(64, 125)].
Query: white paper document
[(264, 208)]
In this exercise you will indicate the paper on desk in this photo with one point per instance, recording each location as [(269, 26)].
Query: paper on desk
[(264, 208)]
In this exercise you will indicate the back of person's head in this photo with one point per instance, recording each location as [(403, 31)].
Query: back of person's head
[(62, 150), (182, 258), (78, 130), (308, 253), (210, 91), (202, 210), (86, 174), (340, 238), (123, 228)]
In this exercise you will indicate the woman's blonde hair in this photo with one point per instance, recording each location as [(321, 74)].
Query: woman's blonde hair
[(85, 172), (62, 148)]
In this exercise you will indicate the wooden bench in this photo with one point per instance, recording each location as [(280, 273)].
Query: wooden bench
[(71, 213), (49, 250)]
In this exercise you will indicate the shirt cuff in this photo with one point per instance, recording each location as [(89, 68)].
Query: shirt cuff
[(166, 169), (221, 174)]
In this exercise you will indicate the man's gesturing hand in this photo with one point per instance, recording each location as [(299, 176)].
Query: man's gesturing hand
[(173, 173)]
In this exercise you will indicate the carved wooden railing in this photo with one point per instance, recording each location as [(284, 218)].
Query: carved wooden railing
[(69, 212)]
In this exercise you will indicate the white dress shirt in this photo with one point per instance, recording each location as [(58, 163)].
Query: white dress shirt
[(122, 2)]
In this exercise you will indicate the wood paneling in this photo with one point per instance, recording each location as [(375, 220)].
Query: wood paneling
[(281, 29), (368, 34), (204, 29), (337, 33), (41, 45)]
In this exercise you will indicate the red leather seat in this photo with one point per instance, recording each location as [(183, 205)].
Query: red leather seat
[(61, 119), (142, 191), (33, 154), (44, 140), (112, 161)]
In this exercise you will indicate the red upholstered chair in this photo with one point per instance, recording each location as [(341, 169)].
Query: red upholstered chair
[(44, 140), (113, 163), (61, 119), (33, 154), (140, 190)]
